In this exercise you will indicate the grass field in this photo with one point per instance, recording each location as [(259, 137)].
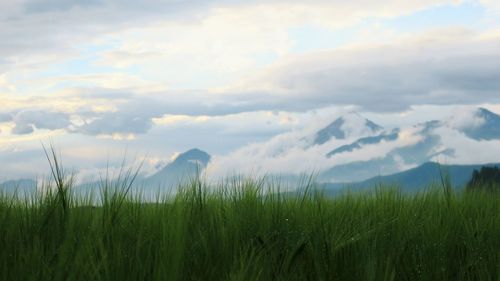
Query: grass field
[(246, 230), (240, 232)]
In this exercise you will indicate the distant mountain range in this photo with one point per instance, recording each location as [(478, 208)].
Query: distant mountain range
[(413, 180), (21, 187), (185, 167), (484, 125), (357, 134)]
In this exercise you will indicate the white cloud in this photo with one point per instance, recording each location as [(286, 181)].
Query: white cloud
[(291, 153), (108, 70), (467, 150), (492, 5), (465, 118), (355, 126), (207, 43)]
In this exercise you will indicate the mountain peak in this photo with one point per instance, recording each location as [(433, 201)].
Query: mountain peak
[(184, 167), (193, 155), (486, 114), (351, 124), (487, 129)]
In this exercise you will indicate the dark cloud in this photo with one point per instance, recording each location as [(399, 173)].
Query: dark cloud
[(23, 129), (27, 120), (121, 122), (390, 78), (134, 113)]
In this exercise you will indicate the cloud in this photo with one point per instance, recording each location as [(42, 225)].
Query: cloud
[(27, 120), (23, 129), (21, 164), (450, 69), (101, 70), (493, 6), (239, 150), (467, 150), (465, 118), (112, 123), (43, 32), (291, 153), (40, 6), (441, 68), (453, 67), (4, 117)]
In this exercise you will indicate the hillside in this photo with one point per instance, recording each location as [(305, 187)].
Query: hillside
[(413, 180)]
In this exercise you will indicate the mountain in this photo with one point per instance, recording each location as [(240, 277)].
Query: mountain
[(185, 166), (21, 187), (346, 126), (488, 127), (365, 141), (428, 145), (425, 130), (413, 180)]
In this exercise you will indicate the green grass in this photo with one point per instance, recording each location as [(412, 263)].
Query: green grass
[(246, 230), (241, 232)]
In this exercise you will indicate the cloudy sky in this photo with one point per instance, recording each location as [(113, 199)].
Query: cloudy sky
[(101, 78)]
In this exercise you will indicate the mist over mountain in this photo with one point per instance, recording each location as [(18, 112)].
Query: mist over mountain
[(415, 179), (347, 126), (391, 136), (485, 127), (350, 149), (20, 187), (429, 145), (184, 167), (357, 151)]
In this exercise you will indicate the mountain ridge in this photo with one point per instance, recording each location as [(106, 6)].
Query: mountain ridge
[(341, 128), (415, 179)]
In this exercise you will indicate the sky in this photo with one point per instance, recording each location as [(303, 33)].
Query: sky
[(101, 79)]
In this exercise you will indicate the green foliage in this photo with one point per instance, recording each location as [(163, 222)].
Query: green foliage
[(245, 229), (486, 179)]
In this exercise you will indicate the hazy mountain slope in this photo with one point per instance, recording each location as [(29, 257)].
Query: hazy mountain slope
[(348, 125), (184, 167), (488, 127), (21, 187), (365, 141), (410, 155), (480, 125), (416, 179)]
